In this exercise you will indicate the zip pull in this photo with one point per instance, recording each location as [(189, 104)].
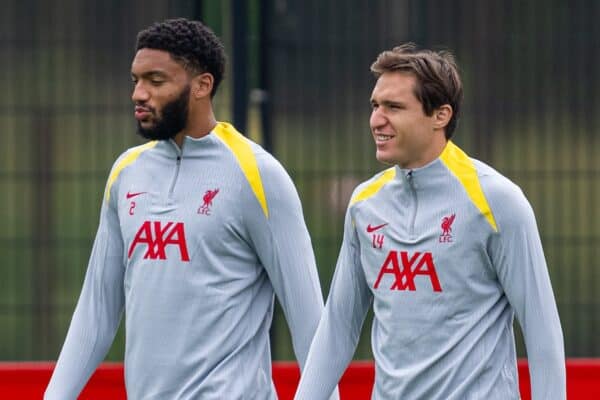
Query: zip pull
[(409, 178), (415, 205)]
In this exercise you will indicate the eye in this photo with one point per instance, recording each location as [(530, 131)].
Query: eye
[(156, 82), (396, 107)]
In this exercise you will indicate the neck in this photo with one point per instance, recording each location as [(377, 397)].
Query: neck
[(197, 128), (435, 151), (430, 153)]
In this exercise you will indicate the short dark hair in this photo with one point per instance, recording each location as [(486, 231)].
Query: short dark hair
[(191, 43), (438, 80)]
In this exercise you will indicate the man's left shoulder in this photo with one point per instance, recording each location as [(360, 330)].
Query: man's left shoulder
[(507, 200), (267, 163), (256, 163), (493, 183)]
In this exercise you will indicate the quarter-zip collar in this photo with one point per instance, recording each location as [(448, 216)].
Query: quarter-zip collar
[(192, 146), (423, 177), (415, 180)]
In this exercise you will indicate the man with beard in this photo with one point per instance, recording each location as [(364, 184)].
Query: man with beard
[(199, 228)]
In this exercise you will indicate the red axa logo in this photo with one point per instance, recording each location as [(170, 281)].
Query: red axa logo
[(156, 236), (446, 226), (404, 268), (207, 201)]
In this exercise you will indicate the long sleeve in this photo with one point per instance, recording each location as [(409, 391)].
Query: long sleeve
[(98, 312), (518, 257), (283, 245), (339, 329)]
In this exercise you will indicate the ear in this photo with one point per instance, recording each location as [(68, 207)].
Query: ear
[(442, 116), (202, 85)]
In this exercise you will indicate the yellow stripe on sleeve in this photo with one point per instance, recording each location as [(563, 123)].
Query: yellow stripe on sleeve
[(374, 186), (240, 147), (463, 168), (129, 158)]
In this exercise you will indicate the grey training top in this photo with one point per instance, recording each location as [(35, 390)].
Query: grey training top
[(192, 244), (447, 254)]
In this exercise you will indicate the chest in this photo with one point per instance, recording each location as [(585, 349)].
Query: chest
[(169, 214), (418, 248)]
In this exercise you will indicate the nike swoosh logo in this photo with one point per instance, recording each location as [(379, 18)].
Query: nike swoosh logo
[(374, 228), (129, 195)]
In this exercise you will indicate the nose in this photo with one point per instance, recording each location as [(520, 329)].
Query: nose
[(140, 94), (377, 119)]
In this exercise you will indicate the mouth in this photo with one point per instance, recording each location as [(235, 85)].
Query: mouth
[(381, 138), (142, 113)]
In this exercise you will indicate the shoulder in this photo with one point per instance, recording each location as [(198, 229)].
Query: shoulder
[(496, 186), (372, 186), (131, 155), (507, 201), (252, 158), (268, 180), (126, 159), (248, 153)]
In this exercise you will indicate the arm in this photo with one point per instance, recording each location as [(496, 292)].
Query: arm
[(519, 261), (339, 329), (98, 311), (283, 246)]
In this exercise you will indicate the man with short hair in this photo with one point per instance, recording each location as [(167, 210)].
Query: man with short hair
[(447, 251), (198, 229)]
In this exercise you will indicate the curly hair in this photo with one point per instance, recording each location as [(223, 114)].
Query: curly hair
[(438, 80), (191, 43)]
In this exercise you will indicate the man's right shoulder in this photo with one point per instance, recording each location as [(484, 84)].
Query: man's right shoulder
[(135, 151), (372, 186), (126, 158), (132, 154)]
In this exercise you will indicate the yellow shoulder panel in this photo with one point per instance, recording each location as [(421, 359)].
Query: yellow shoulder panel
[(463, 168), (129, 158), (374, 186), (240, 147)]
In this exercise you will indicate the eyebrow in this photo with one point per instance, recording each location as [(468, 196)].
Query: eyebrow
[(388, 103), (150, 74)]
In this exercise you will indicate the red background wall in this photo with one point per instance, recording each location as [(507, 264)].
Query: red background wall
[(28, 380)]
